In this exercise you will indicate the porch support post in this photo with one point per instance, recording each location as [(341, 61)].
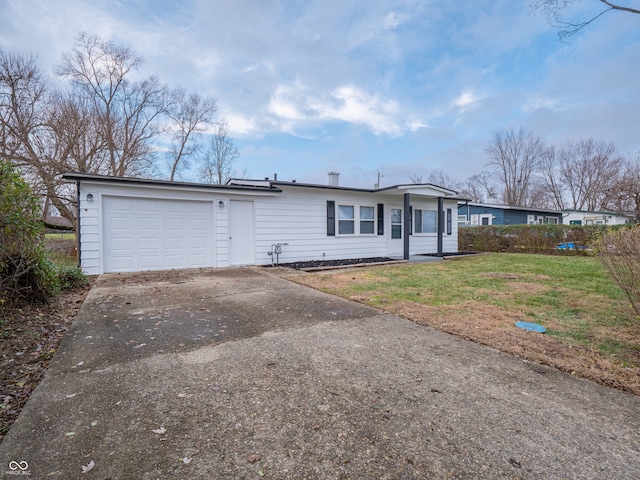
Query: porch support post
[(407, 224), (440, 224)]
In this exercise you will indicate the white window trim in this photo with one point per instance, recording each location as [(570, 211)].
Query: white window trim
[(424, 234), (356, 220), (373, 220)]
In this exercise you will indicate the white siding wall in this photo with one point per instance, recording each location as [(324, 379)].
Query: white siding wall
[(586, 217), (91, 221), (297, 217), (421, 243)]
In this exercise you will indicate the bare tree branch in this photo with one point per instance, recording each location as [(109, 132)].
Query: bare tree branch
[(515, 156), (220, 157), (190, 114), (555, 9)]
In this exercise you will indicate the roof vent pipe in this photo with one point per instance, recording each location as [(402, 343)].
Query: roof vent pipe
[(275, 177), (334, 179)]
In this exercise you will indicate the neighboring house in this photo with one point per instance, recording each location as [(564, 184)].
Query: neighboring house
[(473, 214), (130, 225), (582, 217)]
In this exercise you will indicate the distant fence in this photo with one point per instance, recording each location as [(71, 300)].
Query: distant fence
[(548, 239)]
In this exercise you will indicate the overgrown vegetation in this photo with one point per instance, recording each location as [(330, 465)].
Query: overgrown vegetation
[(591, 331), (27, 275), (25, 271), (547, 239), (620, 253)]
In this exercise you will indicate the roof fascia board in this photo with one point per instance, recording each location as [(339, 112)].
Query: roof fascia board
[(509, 207), (100, 179)]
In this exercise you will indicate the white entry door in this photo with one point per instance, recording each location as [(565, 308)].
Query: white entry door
[(396, 232), (241, 242)]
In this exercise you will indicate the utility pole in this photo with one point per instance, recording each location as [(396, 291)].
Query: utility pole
[(379, 177)]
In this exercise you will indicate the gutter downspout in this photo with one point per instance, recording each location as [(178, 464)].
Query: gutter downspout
[(440, 225), (78, 225), (407, 224)]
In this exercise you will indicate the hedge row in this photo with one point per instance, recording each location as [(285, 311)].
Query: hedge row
[(547, 239)]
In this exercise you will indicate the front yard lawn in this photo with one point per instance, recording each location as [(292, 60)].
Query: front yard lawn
[(591, 329)]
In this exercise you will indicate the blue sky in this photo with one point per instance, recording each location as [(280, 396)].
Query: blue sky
[(397, 86)]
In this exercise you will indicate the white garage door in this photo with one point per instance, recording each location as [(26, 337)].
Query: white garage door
[(155, 234)]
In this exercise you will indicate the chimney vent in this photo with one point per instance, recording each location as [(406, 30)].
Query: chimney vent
[(275, 177), (334, 179)]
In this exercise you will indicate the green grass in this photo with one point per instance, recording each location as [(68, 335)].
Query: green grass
[(573, 296), (62, 259)]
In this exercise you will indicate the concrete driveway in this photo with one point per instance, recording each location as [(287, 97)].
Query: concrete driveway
[(238, 373)]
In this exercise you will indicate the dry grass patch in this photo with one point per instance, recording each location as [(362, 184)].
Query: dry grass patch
[(591, 330)]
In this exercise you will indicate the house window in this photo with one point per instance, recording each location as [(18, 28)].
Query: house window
[(396, 223), (367, 221), (552, 220), (449, 222), (426, 221), (462, 220), (346, 220)]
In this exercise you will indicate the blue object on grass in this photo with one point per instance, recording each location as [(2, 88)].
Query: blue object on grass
[(570, 246), (534, 327)]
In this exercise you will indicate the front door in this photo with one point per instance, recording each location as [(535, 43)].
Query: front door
[(241, 243), (396, 244)]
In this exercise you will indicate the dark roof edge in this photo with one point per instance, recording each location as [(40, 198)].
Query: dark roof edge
[(317, 185), (165, 183), (509, 207), (364, 190)]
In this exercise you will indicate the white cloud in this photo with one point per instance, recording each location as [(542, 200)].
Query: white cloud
[(353, 105), (297, 106), (393, 20), (466, 100)]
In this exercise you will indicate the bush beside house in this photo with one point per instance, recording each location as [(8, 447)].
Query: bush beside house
[(26, 273)]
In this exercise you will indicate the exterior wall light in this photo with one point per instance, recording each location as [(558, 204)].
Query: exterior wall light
[(221, 204), (90, 197)]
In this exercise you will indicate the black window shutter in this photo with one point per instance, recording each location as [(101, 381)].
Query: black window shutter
[(380, 219), (331, 218), (418, 221), (411, 221)]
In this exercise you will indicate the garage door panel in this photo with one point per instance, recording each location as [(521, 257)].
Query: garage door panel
[(149, 262), (155, 234)]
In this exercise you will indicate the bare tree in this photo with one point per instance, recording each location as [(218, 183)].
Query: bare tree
[(555, 9), (416, 178), (128, 111), (624, 194), (588, 170), (220, 157), (551, 179), (479, 186), (190, 114), (40, 131), (438, 178), (515, 157)]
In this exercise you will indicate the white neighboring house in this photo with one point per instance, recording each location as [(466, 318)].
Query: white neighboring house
[(132, 224), (582, 217)]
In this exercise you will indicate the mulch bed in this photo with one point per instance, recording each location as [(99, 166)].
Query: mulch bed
[(333, 263), (30, 336)]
